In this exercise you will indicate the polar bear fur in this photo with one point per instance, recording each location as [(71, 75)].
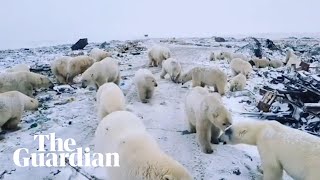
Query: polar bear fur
[(280, 148), (206, 76), (240, 66), (19, 68), (206, 116), (109, 99), (140, 157), (276, 63), (98, 54), (260, 62), (238, 83), (12, 105), (157, 54), (66, 68), (24, 82), (229, 56), (145, 83), (215, 56), (291, 59), (172, 67), (101, 72)]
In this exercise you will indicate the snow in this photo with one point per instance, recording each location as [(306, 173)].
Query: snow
[(72, 114)]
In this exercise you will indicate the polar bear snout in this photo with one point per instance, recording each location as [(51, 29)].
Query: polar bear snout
[(226, 136)]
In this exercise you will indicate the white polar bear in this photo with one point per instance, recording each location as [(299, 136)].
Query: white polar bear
[(157, 54), (206, 116), (215, 56), (238, 83), (110, 98), (206, 76), (240, 66), (276, 63), (101, 72), (66, 68), (98, 54), (280, 148), (145, 83), (229, 56), (140, 157), (291, 59), (24, 82), (172, 67), (19, 68), (12, 105), (260, 62)]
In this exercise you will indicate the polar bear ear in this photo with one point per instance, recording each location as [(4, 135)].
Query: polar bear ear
[(167, 177)]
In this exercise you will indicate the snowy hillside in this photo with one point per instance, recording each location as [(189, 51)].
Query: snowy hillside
[(71, 113)]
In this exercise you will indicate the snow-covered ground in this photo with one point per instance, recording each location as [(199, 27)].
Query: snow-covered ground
[(72, 114)]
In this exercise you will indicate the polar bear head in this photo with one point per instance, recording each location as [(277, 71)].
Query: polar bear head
[(166, 53), (150, 81), (244, 132), (38, 80), (216, 112), (29, 103), (185, 77)]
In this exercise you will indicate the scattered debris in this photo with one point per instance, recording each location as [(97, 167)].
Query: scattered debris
[(80, 44), (219, 39)]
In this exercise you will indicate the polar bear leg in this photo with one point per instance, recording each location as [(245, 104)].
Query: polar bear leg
[(220, 87), (28, 90), (163, 73), (202, 128), (272, 170), (142, 95), (61, 79), (149, 93), (215, 132), (196, 83), (190, 118), (12, 124), (117, 81)]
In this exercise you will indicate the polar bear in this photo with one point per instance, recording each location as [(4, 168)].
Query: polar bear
[(24, 82), (98, 54), (291, 59), (157, 54), (216, 55), (19, 68), (145, 83), (66, 68), (205, 112), (101, 72), (276, 63), (201, 76), (238, 83), (229, 56), (240, 66), (172, 67), (110, 98), (260, 62), (12, 105), (280, 148), (140, 156)]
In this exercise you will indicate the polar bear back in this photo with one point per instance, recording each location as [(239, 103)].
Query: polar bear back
[(19, 67), (172, 67), (98, 54), (109, 99), (210, 76), (240, 66)]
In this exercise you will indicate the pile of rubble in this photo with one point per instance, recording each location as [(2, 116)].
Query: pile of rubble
[(131, 47)]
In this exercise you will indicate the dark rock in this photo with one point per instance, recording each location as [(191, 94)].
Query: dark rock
[(219, 39), (146, 35), (135, 53), (70, 122), (236, 172), (103, 45), (315, 51), (270, 45), (33, 125), (228, 46), (80, 44)]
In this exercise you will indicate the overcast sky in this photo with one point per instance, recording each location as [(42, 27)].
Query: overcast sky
[(29, 23)]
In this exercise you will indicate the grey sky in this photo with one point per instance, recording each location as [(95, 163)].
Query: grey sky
[(28, 23)]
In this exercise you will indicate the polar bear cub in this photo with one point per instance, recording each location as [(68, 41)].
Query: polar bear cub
[(172, 67), (238, 83), (145, 83), (19, 68), (280, 148), (240, 66), (98, 54), (66, 68), (229, 56), (24, 82), (201, 76), (140, 157), (291, 59), (101, 72), (157, 54), (110, 98), (12, 105), (206, 116)]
